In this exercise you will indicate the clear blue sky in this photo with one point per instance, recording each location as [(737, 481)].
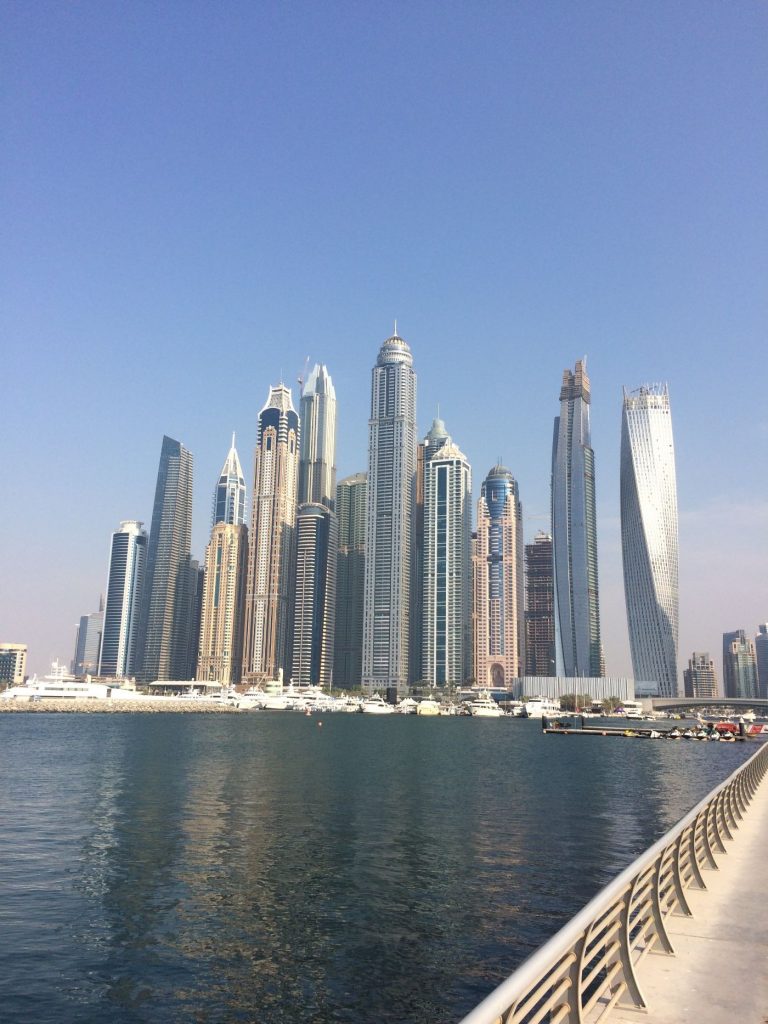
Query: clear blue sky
[(197, 196)]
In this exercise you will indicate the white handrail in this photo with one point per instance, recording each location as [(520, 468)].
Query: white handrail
[(689, 843)]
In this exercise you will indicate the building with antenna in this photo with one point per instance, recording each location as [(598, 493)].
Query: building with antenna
[(388, 542), (229, 493)]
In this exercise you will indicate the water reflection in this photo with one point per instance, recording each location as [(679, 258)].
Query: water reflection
[(262, 868)]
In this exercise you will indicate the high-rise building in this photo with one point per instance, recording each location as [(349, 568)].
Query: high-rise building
[(539, 607), (388, 541), (166, 625), (447, 579), (761, 654), (700, 678), (317, 464), (499, 640), (739, 665), (314, 594), (267, 644), (220, 652), (222, 610), (351, 495), (13, 664), (88, 642), (229, 493), (578, 649), (435, 439), (125, 586), (314, 615), (649, 535)]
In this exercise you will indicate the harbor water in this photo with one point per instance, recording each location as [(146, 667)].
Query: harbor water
[(266, 868)]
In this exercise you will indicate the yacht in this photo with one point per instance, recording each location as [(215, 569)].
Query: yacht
[(407, 706), (376, 705), (60, 684), (537, 707), (428, 706), (484, 706)]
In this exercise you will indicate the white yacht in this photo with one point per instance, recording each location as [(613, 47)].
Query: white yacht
[(428, 706), (407, 706), (484, 706), (537, 707), (60, 684), (376, 705)]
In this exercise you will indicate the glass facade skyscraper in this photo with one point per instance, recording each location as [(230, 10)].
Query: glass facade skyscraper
[(166, 626), (649, 535), (229, 493), (499, 597), (317, 463), (539, 607), (761, 654), (447, 577), (578, 650), (351, 502), (739, 665), (125, 586), (388, 543)]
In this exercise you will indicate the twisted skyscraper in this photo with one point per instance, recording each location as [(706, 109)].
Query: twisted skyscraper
[(649, 535), (388, 544), (578, 650)]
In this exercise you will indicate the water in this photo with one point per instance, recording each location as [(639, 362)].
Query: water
[(163, 868)]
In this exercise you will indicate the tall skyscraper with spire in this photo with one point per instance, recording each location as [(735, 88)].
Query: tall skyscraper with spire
[(267, 645), (314, 596), (388, 545), (499, 595), (125, 585), (351, 504), (578, 649), (447, 577), (166, 625), (229, 493), (220, 653), (649, 535)]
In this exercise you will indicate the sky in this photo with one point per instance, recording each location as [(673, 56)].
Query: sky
[(196, 198)]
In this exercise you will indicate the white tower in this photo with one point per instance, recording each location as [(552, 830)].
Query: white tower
[(649, 535)]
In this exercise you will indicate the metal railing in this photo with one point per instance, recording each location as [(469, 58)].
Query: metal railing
[(590, 965)]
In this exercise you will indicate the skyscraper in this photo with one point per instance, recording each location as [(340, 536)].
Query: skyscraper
[(351, 495), (700, 678), (761, 653), (13, 664), (88, 642), (739, 665), (317, 465), (220, 648), (447, 578), (125, 586), (229, 493), (649, 535), (539, 607), (436, 437), (315, 602), (388, 542), (266, 649), (578, 649), (165, 630), (314, 596), (499, 644)]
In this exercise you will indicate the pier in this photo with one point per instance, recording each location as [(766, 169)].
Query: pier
[(680, 935)]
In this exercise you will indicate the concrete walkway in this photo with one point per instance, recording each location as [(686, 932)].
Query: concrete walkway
[(719, 973)]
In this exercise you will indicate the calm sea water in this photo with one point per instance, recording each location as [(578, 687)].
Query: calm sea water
[(163, 868)]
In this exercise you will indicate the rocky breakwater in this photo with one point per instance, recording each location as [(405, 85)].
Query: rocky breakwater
[(147, 705)]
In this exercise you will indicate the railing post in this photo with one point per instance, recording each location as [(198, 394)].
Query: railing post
[(625, 954), (656, 911), (695, 867), (677, 881)]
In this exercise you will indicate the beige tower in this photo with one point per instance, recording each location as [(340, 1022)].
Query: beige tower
[(271, 550), (499, 640), (220, 654)]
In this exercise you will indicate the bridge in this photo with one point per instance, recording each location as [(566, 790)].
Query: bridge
[(680, 935), (739, 704)]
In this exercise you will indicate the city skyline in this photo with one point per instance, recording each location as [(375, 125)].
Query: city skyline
[(514, 211)]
